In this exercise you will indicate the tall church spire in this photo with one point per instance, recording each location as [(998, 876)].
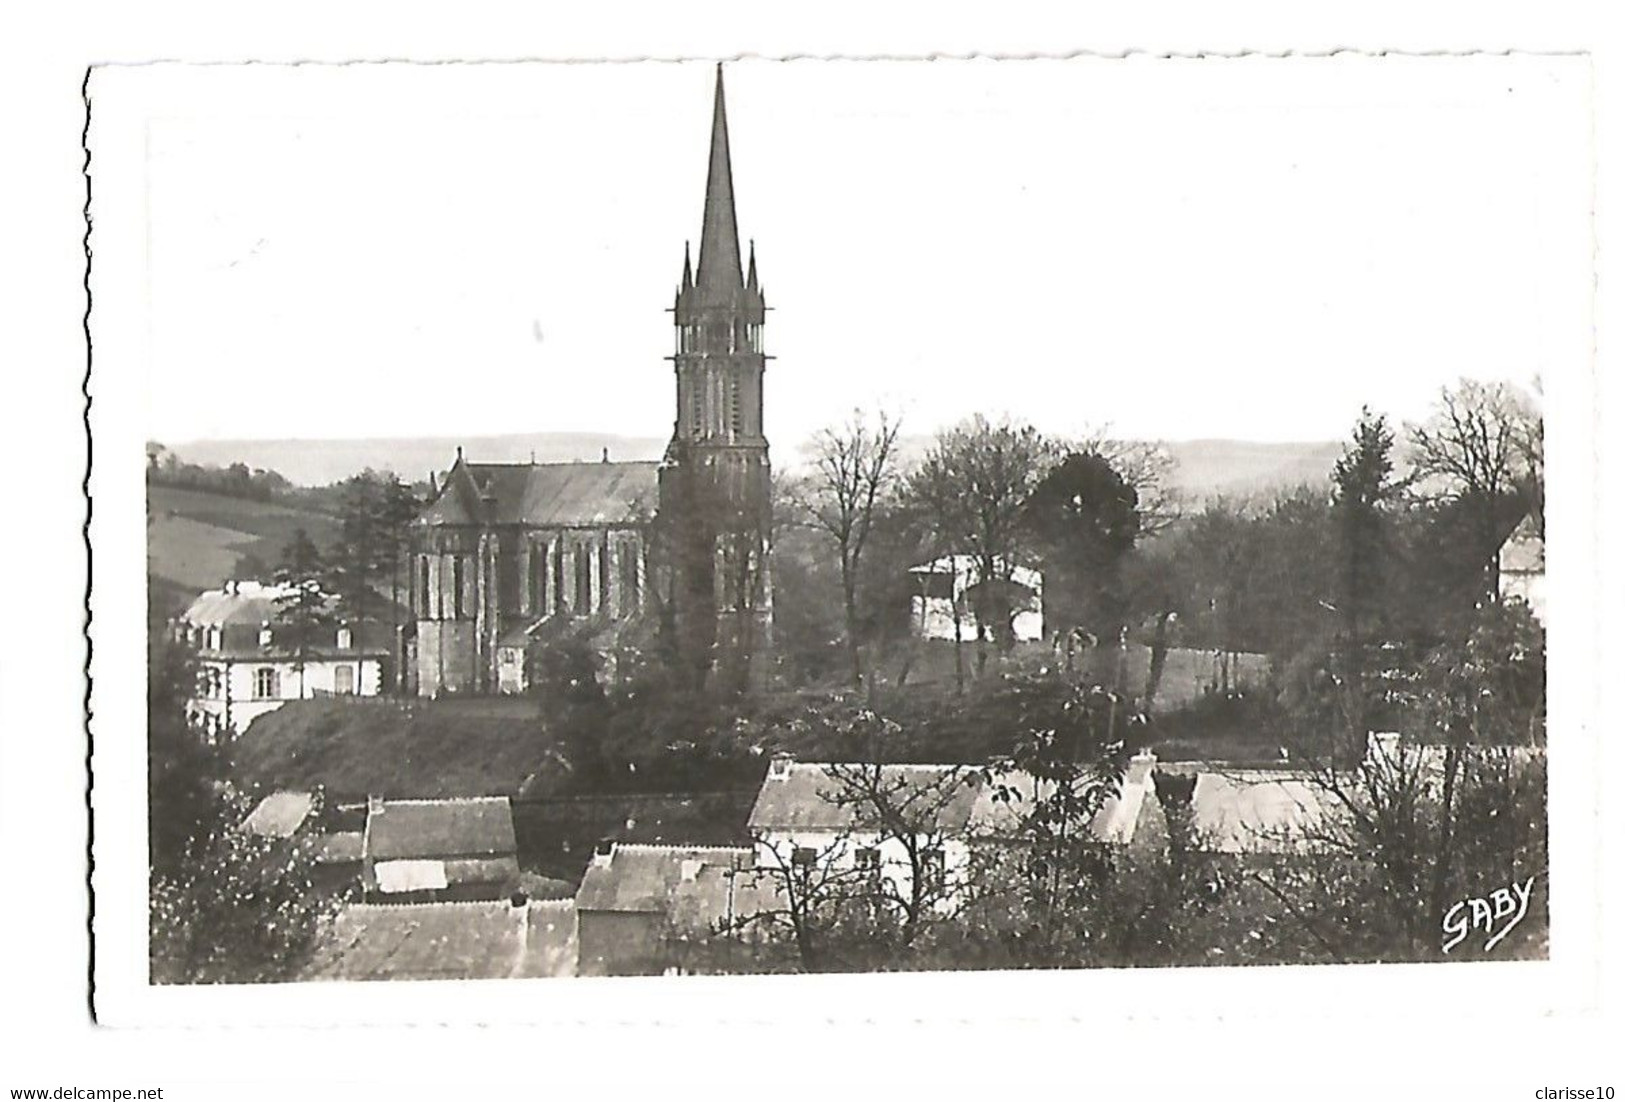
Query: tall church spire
[(720, 274)]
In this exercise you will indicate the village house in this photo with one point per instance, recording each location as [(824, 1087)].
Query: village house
[(950, 594), (249, 663), (811, 813), (436, 850), (634, 896), (1522, 562), (479, 940)]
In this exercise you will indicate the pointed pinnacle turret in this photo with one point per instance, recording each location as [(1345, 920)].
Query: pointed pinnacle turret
[(719, 275), (688, 269), (750, 277)]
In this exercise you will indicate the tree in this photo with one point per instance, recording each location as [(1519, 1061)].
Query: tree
[(1472, 446), (1453, 806), (1363, 486), (972, 489), (854, 473), (181, 766), (238, 907), (303, 610), (1085, 518), (1075, 745)]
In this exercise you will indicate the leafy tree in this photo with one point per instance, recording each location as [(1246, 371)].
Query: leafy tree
[(972, 487), (237, 907), (1075, 744), (1085, 517), (181, 766)]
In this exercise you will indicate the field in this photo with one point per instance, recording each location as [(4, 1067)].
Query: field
[(196, 540), (1188, 675)]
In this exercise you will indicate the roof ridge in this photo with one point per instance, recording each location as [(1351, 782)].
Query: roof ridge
[(678, 847), (418, 800)]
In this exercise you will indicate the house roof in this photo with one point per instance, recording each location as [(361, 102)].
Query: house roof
[(280, 814), (545, 495), (1256, 810), (464, 941), (801, 795), (1524, 549), (1115, 822), (636, 877), (410, 829), (967, 568), (340, 848)]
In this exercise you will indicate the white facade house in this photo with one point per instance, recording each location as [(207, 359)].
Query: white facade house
[(247, 665), (1522, 562), (955, 582), (800, 819)]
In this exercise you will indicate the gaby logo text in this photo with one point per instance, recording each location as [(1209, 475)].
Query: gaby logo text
[(1496, 915)]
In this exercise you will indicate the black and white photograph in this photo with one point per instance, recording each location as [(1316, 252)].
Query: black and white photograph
[(648, 526)]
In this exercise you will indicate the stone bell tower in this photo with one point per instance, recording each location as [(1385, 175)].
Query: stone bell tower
[(715, 482)]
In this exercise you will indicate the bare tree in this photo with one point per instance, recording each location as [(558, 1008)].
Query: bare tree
[(1473, 444), (918, 814), (855, 472)]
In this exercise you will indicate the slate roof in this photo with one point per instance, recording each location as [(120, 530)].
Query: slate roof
[(280, 814), (1255, 810), (422, 829), (340, 848), (800, 799), (445, 941), (1115, 822), (545, 495), (644, 878)]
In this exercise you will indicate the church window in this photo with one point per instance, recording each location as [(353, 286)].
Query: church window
[(457, 586), (538, 579), (557, 552), (423, 583), (603, 577), (267, 684), (583, 600), (631, 598), (735, 409), (343, 680)]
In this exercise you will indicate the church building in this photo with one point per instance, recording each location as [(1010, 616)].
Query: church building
[(507, 555)]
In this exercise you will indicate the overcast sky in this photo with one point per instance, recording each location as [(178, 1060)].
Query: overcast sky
[(1177, 249)]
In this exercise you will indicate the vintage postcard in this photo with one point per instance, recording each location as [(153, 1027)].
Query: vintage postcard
[(1069, 530)]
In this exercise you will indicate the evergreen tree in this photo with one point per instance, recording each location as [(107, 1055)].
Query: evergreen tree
[(304, 613)]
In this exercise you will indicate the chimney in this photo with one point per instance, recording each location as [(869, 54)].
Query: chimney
[(606, 456), (375, 805), (603, 853), (779, 768)]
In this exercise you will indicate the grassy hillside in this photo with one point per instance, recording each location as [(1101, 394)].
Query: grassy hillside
[(393, 747), (195, 540)]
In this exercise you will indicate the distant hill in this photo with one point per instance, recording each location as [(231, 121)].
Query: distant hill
[(196, 540), (321, 462), (1204, 467)]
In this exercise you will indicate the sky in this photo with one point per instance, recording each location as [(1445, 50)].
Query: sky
[(1176, 249)]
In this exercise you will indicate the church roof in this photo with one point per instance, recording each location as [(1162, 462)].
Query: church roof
[(720, 276), (545, 495)]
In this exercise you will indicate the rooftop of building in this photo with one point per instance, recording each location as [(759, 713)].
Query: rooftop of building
[(473, 827)]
